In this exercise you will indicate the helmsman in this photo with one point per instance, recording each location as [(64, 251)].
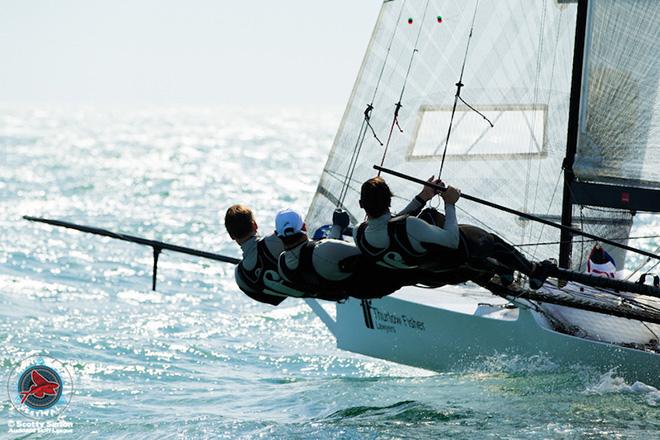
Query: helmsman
[(437, 249)]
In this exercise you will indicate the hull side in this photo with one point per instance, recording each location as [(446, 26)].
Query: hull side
[(439, 339)]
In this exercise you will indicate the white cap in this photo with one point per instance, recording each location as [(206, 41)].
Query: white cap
[(288, 222)]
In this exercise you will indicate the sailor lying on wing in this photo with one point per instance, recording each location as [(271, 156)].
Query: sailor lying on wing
[(330, 263), (452, 253), (329, 268), (259, 254)]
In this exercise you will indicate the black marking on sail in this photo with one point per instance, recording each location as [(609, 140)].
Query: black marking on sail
[(588, 220), (617, 197)]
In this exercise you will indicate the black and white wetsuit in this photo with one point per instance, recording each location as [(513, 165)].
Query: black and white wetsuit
[(334, 270), (458, 252), (405, 242), (259, 257)]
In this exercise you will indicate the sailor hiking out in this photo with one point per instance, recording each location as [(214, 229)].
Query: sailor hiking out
[(329, 268), (434, 248), (259, 254)]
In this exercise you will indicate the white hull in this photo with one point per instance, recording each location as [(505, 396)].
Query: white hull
[(445, 329)]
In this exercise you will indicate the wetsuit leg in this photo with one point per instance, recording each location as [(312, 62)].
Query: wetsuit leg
[(482, 244), (372, 281), (447, 266), (510, 256)]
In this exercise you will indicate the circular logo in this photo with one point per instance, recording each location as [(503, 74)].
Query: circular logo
[(40, 387)]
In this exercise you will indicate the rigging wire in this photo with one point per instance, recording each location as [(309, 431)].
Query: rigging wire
[(397, 106), (552, 199), (532, 139), (586, 241), (547, 103), (459, 85), (644, 264), (351, 165), (366, 122)]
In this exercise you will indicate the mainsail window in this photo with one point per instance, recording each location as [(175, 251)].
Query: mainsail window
[(519, 131)]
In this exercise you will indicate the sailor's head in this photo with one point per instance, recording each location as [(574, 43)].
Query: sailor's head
[(290, 226), (240, 223), (375, 197)]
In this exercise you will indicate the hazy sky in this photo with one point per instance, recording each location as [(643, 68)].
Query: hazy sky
[(289, 52)]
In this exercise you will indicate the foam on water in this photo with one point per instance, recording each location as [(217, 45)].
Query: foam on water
[(197, 359), (609, 383)]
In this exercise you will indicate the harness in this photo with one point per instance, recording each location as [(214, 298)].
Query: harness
[(306, 278), (263, 283), (265, 262), (401, 255)]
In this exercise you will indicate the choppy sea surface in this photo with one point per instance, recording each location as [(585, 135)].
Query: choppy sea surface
[(196, 358)]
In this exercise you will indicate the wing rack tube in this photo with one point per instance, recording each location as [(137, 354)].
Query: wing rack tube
[(157, 246)]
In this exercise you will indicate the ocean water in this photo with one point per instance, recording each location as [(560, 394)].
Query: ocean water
[(196, 358)]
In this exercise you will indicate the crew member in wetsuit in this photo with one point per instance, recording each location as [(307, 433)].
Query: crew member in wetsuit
[(260, 254), (329, 268), (453, 253)]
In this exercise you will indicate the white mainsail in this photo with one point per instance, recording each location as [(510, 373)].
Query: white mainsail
[(517, 73), (514, 60)]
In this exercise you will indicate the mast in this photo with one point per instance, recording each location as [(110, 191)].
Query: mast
[(566, 245)]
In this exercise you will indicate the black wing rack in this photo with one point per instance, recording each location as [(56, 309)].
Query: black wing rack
[(157, 246)]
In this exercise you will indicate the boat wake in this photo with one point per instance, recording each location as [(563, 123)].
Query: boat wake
[(514, 364), (609, 383)]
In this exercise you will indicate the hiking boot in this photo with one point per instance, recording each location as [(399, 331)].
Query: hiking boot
[(506, 279), (540, 273)]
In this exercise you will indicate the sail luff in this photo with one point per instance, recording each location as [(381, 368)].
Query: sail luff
[(566, 237), (320, 191)]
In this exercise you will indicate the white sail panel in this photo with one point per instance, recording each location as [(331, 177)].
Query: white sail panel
[(620, 122), (517, 73)]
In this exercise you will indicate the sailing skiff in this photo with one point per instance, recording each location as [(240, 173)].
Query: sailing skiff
[(550, 107), (550, 110)]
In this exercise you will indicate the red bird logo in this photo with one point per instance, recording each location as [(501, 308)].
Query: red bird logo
[(40, 387)]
